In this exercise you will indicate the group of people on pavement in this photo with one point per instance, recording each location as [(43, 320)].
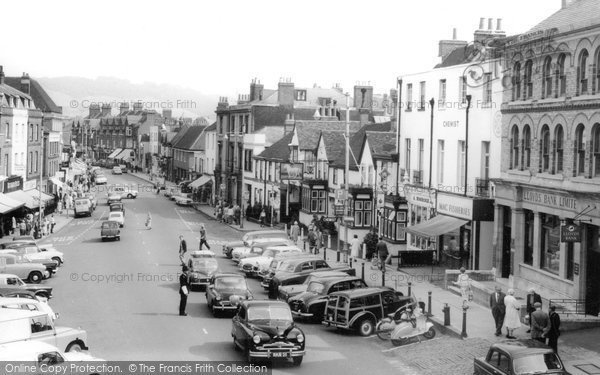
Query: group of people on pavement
[(30, 226), (229, 214), (543, 326)]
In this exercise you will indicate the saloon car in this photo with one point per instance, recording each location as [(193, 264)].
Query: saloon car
[(25, 269), (203, 265), (311, 303), (117, 217), (257, 247), (113, 198), (251, 265), (123, 192), (250, 237), (288, 291), (11, 285), (41, 355), (182, 200), (224, 292), (360, 309), (117, 206), (110, 230), (265, 329), (100, 179), (33, 251), (519, 357)]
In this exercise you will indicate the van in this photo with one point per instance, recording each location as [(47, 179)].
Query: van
[(83, 207)]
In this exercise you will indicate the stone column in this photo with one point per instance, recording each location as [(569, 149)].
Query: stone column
[(537, 232)]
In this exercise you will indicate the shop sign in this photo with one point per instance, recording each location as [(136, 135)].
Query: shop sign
[(570, 233), (421, 197), (13, 184), (363, 196), (465, 207), (349, 219), (291, 171), (549, 200)]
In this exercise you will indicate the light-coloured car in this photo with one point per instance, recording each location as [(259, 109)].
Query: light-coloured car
[(244, 251), (123, 192), (92, 199), (117, 217), (36, 353), (117, 170), (113, 198), (11, 284), (101, 179), (34, 251), (83, 207), (20, 325), (39, 304), (182, 200), (250, 237), (32, 272), (252, 265)]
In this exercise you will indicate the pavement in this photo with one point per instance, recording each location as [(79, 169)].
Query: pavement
[(61, 222)]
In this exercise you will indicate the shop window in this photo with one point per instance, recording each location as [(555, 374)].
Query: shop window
[(550, 243), (528, 251), (314, 201)]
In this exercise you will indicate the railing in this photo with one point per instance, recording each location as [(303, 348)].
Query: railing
[(569, 306), (475, 275), (482, 187)]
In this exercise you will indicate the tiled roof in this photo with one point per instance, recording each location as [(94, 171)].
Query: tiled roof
[(188, 140), (335, 146), (309, 131), (382, 144), (464, 55), (578, 14), (278, 151), (40, 97), (9, 90), (357, 140), (179, 134), (212, 127)]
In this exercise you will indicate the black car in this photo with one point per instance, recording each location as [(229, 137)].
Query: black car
[(265, 329), (223, 287), (311, 304), (202, 269), (288, 291), (117, 206), (361, 309), (298, 270)]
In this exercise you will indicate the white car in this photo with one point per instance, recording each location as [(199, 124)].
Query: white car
[(251, 265), (34, 251), (123, 192), (257, 248), (117, 170), (101, 179), (39, 304), (118, 217), (41, 353), (182, 200)]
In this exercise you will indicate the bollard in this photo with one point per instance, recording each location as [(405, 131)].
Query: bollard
[(285, 228), (446, 311), (325, 254), (302, 233), (409, 288), (329, 241), (350, 262), (362, 272), (464, 323), (429, 303), (383, 274), (364, 251)]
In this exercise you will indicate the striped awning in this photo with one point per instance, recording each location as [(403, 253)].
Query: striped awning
[(114, 153), (35, 194), (124, 155)]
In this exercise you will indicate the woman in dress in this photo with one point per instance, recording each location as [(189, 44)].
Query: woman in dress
[(149, 221), (512, 317), (464, 283)]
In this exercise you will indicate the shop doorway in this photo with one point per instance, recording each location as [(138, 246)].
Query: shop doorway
[(506, 242), (592, 292)]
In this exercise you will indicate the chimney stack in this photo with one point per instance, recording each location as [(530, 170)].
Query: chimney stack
[(1, 75), (26, 84), (94, 110), (481, 23), (285, 92), (490, 24), (483, 35), (123, 107), (106, 110), (256, 90), (499, 24), (138, 106), (363, 96)]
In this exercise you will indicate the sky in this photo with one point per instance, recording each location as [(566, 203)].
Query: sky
[(218, 47)]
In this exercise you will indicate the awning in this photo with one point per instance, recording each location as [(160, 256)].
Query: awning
[(35, 194), (203, 180), (114, 153), (8, 204), (437, 226), (24, 198), (124, 155)]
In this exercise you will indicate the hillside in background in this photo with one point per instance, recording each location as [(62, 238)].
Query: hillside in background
[(75, 94)]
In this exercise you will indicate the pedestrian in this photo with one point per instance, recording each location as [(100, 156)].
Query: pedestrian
[(23, 227), (532, 298), (511, 318), (554, 332), (312, 240), (14, 225), (294, 232), (318, 240), (149, 221), (230, 213), (355, 247), (182, 249), (203, 237), (220, 213), (263, 217), (383, 253), (45, 227), (59, 207), (463, 281), (52, 223), (157, 189), (498, 309), (184, 289), (540, 323), (237, 212)]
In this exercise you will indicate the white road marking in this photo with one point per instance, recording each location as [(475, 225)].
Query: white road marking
[(205, 331), (182, 220), (88, 228)]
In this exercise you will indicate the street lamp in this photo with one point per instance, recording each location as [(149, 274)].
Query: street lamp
[(431, 104), (468, 97)]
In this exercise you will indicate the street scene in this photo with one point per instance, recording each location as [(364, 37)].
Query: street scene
[(179, 214)]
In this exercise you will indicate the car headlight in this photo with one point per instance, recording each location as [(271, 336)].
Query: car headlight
[(256, 339), (300, 337)]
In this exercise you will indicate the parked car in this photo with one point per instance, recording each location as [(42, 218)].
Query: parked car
[(311, 303), (10, 284), (100, 179), (117, 206), (117, 170), (182, 200), (170, 192), (250, 237), (42, 355), (288, 291), (360, 309), (123, 192), (92, 199), (281, 262), (265, 329), (36, 252), (123, 168), (257, 247), (110, 230), (519, 357), (251, 265), (223, 289), (83, 207), (19, 325), (117, 217), (203, 265), (298, 270), (29, 305), (113, 198), (32, 272)]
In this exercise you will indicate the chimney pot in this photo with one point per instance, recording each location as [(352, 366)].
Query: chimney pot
[(1, 75), (499, 24), (490, 24), (481, 23), (454, 34)]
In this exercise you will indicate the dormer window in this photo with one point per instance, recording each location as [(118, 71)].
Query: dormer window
[(300, 95)]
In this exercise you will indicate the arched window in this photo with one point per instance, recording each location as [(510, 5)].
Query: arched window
[(558, 149), (528, 79), (582, 78), (545, 148), (547, 78), (514, 147), (579, 151), (517, 81), (526, 147), (596, 73), (596, 150), (560, 72)]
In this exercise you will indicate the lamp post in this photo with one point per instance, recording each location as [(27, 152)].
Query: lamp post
[(347, 169), (398, 112), (468, 97), (41, 169)]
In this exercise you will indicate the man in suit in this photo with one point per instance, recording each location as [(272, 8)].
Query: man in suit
[(540, 323), (532, 298), (498, 309), (554, 329), (184, 290)]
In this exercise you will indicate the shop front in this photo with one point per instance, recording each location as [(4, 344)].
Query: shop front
[(549, 239), (314, 200)]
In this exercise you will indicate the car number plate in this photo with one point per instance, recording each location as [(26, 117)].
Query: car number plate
[(280, 354)]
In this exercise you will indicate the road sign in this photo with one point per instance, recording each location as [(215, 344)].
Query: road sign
[(339, 210), (340, 195)]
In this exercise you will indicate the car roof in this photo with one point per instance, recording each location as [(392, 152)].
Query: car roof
[(202, 252), (521, 348), (327, 274), (109, 222), (7, 275), (304, 259), (7, 300), (230, 274), (284, 247), (115, 213), (264, 232), (264, 302), (13, 314), (336, 279), (361, 292), (21, 349)]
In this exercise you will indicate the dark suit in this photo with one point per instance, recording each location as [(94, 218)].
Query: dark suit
[(540, 325), (183, 281), (498, 309), (554, 330), (531, 300)]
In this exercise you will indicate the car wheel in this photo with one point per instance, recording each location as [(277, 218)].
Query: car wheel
[(129, 196), (57, 259), (103, 239), (75, 346), (119, 238), (366, 327), (429, 334), (297, 361), (35, 277)]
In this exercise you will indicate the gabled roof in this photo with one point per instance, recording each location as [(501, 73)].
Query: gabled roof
[(9, 90), (382, 144), (577, 14), (40, 97), (188, 140), (358, 139), (309, 131), (335, 146), (179, 134), (278, 151)]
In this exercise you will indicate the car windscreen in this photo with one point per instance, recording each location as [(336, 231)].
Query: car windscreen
[(82, 202), (269, 313), (230, 283), (108, 225), (115, 215), (205, 263), (315, 287), (536, 363)]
